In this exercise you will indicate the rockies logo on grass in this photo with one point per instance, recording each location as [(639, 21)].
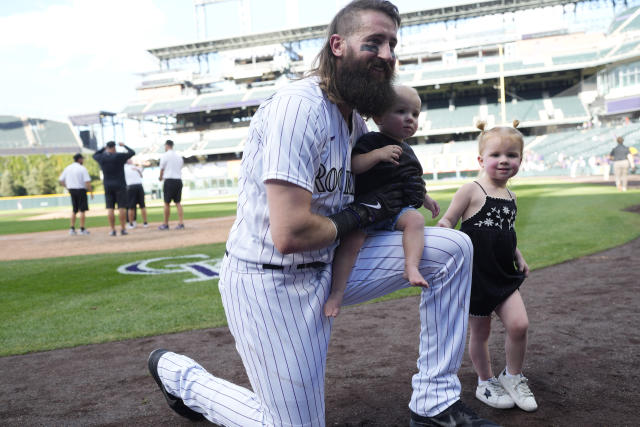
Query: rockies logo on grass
[(201, 266)]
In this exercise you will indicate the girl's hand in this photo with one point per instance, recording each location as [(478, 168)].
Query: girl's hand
[(390, 153), (431, 205), (522, 264)]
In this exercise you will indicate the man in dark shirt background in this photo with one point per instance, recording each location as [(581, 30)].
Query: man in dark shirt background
[(115, 186)]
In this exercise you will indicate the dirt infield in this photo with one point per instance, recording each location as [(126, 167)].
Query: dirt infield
[(59, 243), (583, 360)]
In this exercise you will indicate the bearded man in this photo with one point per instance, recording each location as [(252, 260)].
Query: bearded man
[(295, 203)]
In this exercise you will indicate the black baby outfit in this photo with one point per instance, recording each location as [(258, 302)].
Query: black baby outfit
[(495, 275)]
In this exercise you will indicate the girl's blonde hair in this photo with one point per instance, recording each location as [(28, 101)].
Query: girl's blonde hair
[(503, 131)]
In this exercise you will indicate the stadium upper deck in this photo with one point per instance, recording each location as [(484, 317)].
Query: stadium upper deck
[(549, 69), (20, 135)]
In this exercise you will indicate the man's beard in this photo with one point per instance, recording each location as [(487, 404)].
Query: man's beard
[(362, 90)]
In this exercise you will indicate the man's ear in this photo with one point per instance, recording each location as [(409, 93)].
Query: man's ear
[(337, 44), (377, 120)]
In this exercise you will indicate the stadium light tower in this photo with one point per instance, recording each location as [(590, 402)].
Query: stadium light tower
[(201, 15)]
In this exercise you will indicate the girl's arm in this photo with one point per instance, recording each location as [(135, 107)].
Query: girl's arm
[(521, 263), (458, 206), (363, 162)]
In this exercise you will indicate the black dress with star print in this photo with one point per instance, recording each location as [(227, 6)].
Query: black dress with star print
[(495, 274)]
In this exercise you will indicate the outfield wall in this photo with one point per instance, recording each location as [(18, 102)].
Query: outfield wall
[(45, 201)]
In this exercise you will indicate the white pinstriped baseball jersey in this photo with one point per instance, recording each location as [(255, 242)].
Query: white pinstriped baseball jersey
[(297, 136)]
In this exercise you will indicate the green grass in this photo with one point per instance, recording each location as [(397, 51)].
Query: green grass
[(12, 223), (62, 302), (560, 221)]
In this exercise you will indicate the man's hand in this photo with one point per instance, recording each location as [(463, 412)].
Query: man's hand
[(432, 206), (389, 153), (121, 144), (379, 205), (370, 208)]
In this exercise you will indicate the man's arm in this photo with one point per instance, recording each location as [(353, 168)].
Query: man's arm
[(130, 153), (89, 188), (96, 156), (293, 227)]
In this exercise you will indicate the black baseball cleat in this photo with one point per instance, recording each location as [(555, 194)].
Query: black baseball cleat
[(174, 402), (456, 415)]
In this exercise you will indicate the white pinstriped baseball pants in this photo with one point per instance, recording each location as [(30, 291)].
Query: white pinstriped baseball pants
[(282, 335)]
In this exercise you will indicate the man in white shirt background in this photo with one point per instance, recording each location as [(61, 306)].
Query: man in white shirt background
[(76, 179), (171, 172)]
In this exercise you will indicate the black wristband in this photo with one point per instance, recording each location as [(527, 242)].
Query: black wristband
[(345, 221)]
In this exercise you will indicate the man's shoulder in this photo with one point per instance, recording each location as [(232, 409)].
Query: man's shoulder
[(307, 90)]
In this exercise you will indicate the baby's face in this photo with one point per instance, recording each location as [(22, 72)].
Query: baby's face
[(401, 121)]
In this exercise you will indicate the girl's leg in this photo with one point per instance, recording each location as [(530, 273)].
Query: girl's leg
[(411, 223), (343, 260), (515, 320), (514, 317), (480, 328)]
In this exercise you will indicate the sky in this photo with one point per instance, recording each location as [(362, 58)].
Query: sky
[(68, 57)]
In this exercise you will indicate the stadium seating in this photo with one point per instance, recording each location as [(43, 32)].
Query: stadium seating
[(172, 106), (219, 100), (575, 58), (53, 134), (571, 106), (12, 133), (134, 109)]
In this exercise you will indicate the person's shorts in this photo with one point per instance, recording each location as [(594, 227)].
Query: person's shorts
[(115, 195), (390, 224), (79, 199), (135, 196), (172, 190)]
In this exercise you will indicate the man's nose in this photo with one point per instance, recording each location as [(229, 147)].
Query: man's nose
[(386, 52)]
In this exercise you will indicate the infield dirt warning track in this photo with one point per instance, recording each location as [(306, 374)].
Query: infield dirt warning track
[(48, 244)]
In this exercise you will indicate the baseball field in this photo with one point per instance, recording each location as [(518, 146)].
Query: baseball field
[(81, 313)]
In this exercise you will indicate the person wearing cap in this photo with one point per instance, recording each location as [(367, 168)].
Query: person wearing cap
[(75, 178), (115, 186), (171, 171)]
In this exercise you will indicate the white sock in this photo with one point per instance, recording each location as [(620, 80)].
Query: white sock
[(482, 382), (506, 371)]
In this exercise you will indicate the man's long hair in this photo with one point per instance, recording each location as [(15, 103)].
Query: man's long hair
[(345, 23)]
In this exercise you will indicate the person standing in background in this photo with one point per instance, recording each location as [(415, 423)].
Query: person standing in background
[(135, 193), (171, 172), (115, 186), (622, 161), (76, 179)]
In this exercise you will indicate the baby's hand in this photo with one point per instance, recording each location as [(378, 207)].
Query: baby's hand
[(390, 153), (431, 205)]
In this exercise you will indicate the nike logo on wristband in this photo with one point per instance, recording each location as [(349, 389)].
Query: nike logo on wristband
[(376, 206)]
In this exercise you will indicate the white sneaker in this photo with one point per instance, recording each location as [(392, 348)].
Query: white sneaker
[(519, 390), (131, 225), (493, 394), (72, 232), (84, 232)]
